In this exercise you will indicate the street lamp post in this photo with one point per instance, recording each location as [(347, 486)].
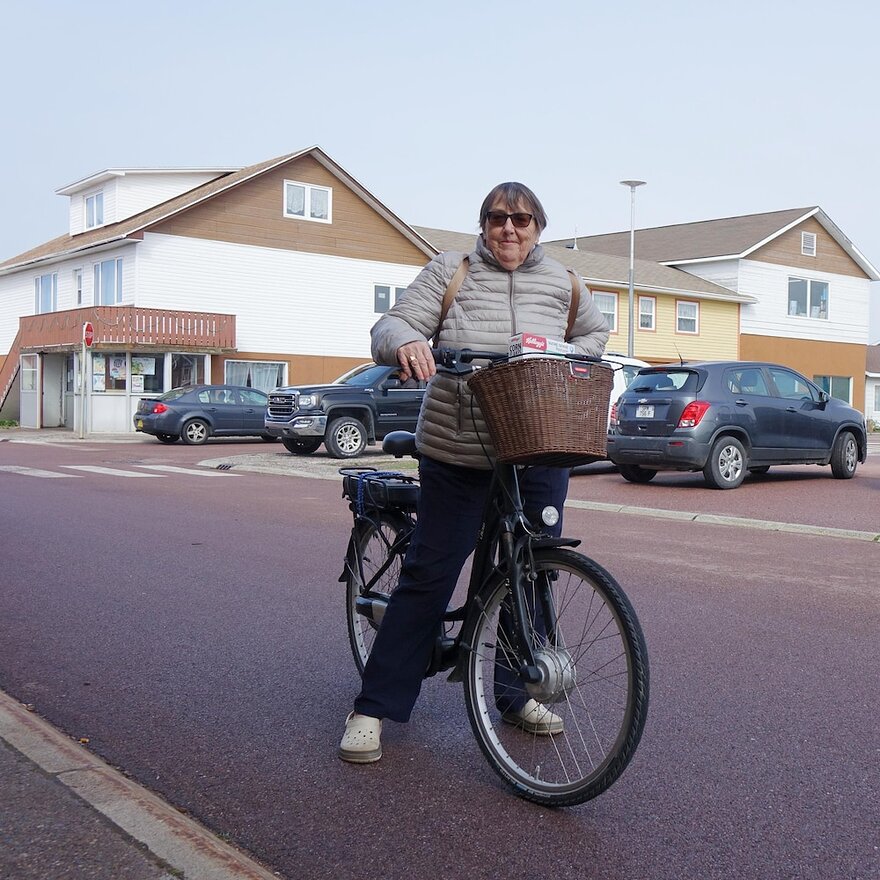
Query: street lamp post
[(632, 184)]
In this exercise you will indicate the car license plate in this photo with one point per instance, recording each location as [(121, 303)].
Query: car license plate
[(140, 423), (645, 411)]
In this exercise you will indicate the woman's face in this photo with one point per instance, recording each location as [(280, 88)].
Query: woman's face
[(510, 244)]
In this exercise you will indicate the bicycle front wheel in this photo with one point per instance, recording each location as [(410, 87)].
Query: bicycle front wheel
[(381, 555), (592, 699)]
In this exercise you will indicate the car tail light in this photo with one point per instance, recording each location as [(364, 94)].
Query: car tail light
[(693, 413), (613, 417), (158, 408)]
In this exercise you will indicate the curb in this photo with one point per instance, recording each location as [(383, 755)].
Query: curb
[(182, 843)]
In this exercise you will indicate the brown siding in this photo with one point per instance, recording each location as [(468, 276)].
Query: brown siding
[(252, 214), (811, 358), (830, 256), (301, 369)]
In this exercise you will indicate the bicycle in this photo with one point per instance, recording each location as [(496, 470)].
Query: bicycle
[(533, 605)]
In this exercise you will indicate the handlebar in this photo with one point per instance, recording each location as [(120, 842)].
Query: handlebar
[(459, 361)]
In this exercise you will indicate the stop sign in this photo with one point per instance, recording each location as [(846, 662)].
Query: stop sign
[(88, 334)]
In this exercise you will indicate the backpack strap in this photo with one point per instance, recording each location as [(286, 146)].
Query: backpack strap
[(575, 302), (450, 294)]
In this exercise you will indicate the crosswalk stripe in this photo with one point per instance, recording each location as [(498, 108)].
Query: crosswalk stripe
[(114, 472), (34, 472), (173, 469)]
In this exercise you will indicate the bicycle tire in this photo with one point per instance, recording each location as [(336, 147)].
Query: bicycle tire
[(374, 541), (596, 680)]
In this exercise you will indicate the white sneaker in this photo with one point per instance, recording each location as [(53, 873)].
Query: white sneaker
[(535, 717), (360, 742)]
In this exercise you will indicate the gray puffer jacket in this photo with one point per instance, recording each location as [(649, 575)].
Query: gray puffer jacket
[(492, 305)]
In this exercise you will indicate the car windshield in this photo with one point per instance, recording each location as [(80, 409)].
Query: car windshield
[(365, 375), (664, 380)]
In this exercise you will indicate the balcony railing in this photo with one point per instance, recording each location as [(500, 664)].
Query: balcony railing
[(128, 326)]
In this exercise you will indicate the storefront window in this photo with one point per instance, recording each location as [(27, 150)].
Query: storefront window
[(70, 374), (187, 369), (147, 373), (28, 372), (109, 371)]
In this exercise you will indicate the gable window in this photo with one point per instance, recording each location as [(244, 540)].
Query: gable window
[(78, 286), (836, 386), (108, 282), (607, 305), (305, 201), (687, 317), (45, 294), (647, 312), (807, 298), (382, 294), (808, 244), (94, 210)]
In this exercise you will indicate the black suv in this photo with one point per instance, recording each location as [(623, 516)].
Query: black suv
[(729, 418), (358, 408)]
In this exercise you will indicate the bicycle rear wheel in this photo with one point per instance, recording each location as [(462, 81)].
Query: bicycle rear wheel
[(594, 666), (381, 570)]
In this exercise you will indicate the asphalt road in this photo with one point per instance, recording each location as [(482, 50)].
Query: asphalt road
[(191, 627)]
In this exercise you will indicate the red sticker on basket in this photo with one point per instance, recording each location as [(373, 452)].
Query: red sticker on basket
[(580, 371)]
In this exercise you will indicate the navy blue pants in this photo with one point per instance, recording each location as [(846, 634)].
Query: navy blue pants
[(451, 504)]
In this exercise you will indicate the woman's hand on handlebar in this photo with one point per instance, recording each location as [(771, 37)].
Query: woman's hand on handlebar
[(416, 360)]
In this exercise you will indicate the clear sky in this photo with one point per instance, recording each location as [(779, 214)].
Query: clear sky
[(724, 109)]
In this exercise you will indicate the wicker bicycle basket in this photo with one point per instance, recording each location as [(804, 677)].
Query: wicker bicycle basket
[(547, 411)]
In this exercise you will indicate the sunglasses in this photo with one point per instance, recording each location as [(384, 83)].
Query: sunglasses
[(520, 219)]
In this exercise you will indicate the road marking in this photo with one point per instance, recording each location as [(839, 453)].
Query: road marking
[(34, 472), (112, 472), (173, 469)]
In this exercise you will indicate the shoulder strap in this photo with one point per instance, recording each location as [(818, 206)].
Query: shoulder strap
[(451, 291), (575, 302)]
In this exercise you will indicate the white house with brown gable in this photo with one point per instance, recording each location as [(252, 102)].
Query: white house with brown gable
[(810, 286), (259, 276)]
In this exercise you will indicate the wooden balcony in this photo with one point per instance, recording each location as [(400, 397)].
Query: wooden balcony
[(128, 327)]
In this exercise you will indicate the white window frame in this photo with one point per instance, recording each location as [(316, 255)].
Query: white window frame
[(99, 292), (30, 366), (679, 317), (652, 314), (308, 189), (50, 279), (280, 366), (395, 291), (614, 323), (93, 207), (78, 286), (808, 244), (810, 306)]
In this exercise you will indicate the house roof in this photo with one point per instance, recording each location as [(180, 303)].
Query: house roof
[(133, 228), (725, 238), (110, 173), (606, 270)]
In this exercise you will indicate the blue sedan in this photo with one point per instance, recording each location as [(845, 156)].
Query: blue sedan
[(196, 412)]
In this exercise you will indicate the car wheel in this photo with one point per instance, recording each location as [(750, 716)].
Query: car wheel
[(844, 456), (167, 438), (634, 473), (301, 446), (726, 467), (345, 438), (195, 432), (759, 470)]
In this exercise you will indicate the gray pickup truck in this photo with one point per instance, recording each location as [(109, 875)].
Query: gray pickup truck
[(357, 409)]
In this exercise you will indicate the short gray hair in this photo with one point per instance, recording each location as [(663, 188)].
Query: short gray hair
[(514, 194)]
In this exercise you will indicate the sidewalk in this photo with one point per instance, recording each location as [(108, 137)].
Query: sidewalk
[(66, 815)]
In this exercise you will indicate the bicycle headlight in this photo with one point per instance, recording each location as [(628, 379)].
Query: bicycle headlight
[(550, 516)]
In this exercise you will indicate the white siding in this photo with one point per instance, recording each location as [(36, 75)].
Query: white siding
[(286, 302), (724, 272), (847, 305), (138, 191), (17, 291)]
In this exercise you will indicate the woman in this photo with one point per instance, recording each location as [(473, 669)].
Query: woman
[(511, 287)]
